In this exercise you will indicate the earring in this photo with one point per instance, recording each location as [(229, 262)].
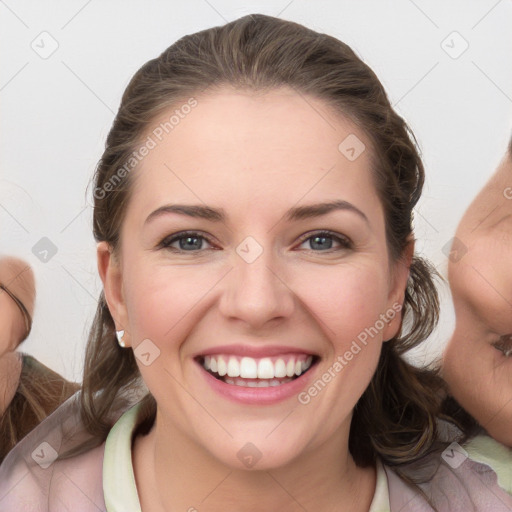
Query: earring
[(119, 335)]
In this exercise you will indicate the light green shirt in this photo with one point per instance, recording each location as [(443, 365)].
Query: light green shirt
[(497, 456), (119, 481)]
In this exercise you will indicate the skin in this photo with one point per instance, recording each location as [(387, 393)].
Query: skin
[(240, 151), (16, 275), (478, 374)]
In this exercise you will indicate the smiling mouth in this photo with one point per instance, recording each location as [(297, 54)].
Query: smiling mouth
[(257, 372)]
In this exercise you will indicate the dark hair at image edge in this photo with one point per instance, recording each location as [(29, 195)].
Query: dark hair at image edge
[(395, 419)]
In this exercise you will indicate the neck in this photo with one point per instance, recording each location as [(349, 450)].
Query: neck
[(10, 370), (179, 475)]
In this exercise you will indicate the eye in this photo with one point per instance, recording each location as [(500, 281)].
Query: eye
[(504, 344), (187, 241), (322, 241)]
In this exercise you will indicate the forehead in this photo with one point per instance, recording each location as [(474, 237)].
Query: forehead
[(276, 147)]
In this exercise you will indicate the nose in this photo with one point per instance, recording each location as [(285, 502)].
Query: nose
[(257, 293)]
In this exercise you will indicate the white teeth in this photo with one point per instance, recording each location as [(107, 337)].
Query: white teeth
[(233, 367), (280, 369), (304, 365), (221, 367), (248, 368), (265, 369)]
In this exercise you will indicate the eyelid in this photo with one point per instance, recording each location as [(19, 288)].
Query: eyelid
[(166, 242), (344, 240)]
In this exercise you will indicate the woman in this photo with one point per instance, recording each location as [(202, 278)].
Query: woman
[(253, 213), (477, 360), (29, 390), (17, 294)]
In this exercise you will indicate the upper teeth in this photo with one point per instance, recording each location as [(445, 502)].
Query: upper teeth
[(249, 368)]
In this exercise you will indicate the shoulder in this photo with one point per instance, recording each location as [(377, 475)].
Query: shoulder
[(496, 456), (58, 486), (34, 477), (458, 478)]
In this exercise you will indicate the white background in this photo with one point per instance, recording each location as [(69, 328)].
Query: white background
[(56, 113)]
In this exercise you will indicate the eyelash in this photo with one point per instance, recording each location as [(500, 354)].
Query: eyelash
[(344, 242), (167, 241)]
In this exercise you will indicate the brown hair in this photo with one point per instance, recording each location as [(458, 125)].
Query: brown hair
[(395, 419), (39, 392)]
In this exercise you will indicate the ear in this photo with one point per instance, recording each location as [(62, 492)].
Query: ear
[(110, 271), (400, 275)]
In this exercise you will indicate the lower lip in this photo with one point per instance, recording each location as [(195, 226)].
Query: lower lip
[(258, 396)]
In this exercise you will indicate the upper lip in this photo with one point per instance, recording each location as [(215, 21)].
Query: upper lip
[(255, 352)]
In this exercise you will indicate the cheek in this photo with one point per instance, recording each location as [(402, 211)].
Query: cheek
[(164, 305), (347, 303), (159, 298), (346, 299), (481, 281)]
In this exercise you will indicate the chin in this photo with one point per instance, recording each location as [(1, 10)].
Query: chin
[(257, 453)]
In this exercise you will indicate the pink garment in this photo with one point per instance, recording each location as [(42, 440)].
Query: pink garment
[(75, 484), (472, 487)]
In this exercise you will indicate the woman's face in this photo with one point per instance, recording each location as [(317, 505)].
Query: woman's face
[(11, 324), (475, 363), (18, 277), (225, 264)]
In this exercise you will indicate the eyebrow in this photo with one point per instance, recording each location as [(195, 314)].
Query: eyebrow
[(319, 209), (293, 214)]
